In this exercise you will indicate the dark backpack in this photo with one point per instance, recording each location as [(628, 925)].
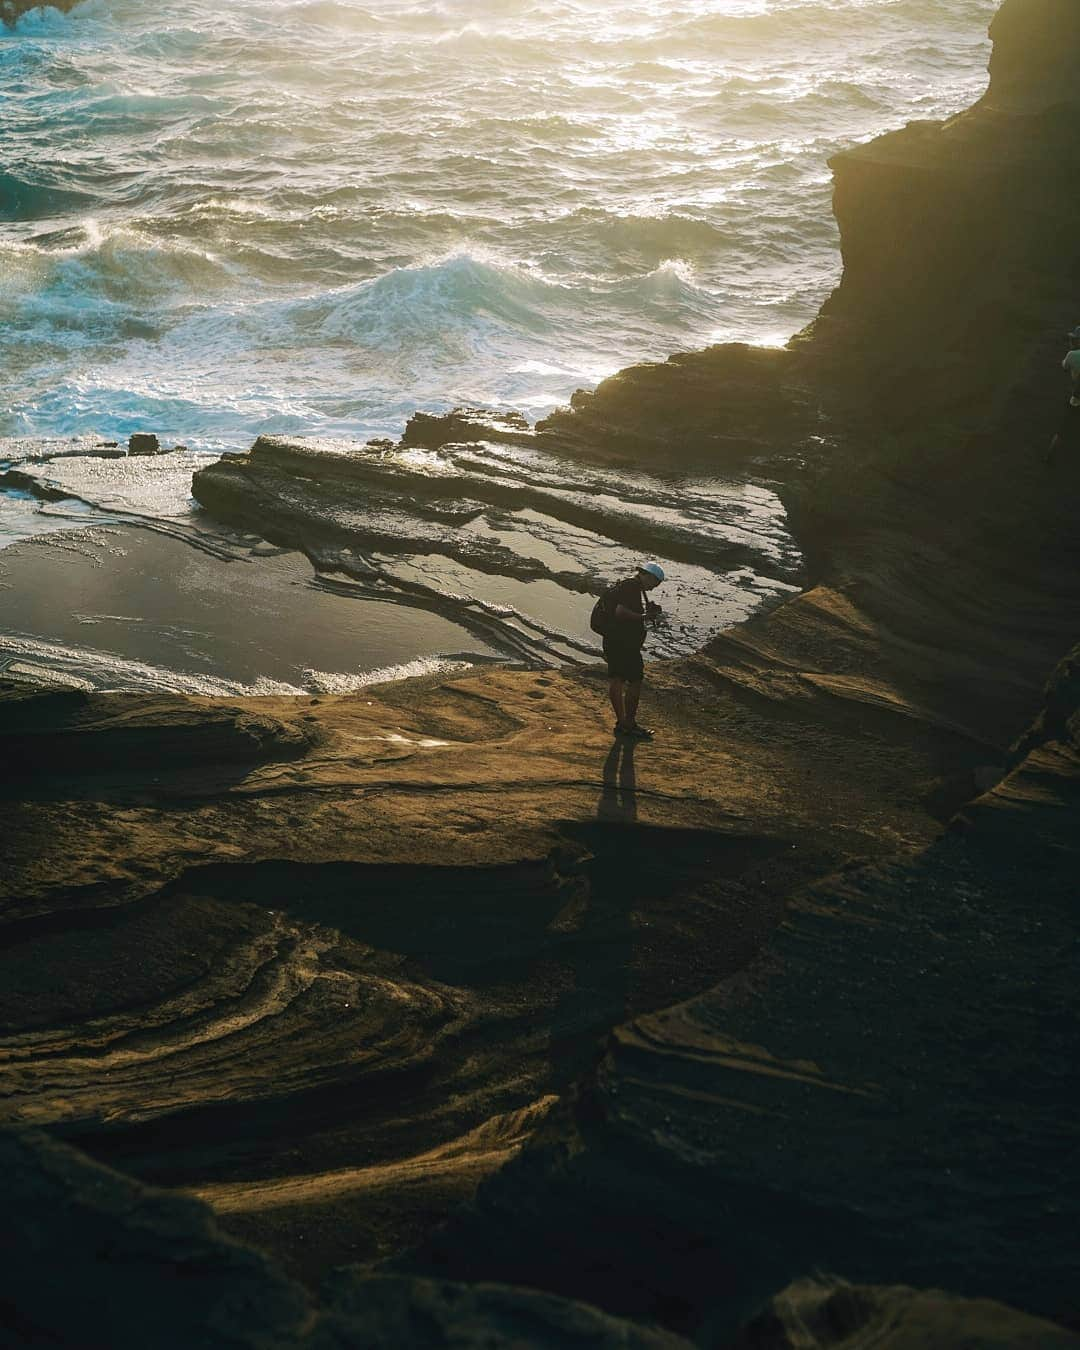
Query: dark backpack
[(603, 613)]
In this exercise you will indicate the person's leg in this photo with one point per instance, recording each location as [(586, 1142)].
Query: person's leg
[(617, 694), (633, 694)]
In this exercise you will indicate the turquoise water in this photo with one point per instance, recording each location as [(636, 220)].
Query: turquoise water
[(314, 215)]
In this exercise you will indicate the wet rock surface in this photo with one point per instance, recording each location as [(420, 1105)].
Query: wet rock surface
[(506, 534), (168, 606), (504, 538)]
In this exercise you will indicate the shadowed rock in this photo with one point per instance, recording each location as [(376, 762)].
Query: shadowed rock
[(393, 1311), (140, 1266), (883, 1094), (1031, 68), (90, 1257), (433, 430), (71, 731), (718, 407), (817, 1314)]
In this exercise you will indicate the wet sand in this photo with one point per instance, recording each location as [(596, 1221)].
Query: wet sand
[(119, 606)]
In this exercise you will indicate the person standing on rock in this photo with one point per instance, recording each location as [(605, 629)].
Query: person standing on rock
[(619, 616), (1067, 435)]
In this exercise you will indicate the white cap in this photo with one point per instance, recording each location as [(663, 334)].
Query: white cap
[(653, 568)]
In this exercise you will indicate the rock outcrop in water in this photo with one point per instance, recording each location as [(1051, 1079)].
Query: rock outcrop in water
[(10, 10), (355, 972)]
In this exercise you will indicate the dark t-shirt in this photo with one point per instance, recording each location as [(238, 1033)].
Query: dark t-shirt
[(629, 631)]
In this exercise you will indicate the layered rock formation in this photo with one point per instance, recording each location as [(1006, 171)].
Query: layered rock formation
[(222, 968), (333, 964), (473, 518), (885, 1091)]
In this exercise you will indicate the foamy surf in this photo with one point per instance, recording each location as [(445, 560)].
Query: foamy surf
[(56, 665), (36, 661), (327, 682), (283, 221)]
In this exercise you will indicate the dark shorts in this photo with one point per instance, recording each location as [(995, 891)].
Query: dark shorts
[(623, 660)]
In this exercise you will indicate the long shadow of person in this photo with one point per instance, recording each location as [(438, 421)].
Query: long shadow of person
[(618, 796), (600, 947)]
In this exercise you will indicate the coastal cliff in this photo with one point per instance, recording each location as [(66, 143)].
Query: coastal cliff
[(959, 281), (657, 1031)]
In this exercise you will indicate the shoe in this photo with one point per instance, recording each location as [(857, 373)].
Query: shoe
[(639, 733)]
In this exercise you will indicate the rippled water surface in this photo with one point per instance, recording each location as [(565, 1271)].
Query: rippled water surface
[(316, 215), (310, 217)]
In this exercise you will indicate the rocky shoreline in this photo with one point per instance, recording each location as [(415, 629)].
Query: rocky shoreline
[(550, 1041)]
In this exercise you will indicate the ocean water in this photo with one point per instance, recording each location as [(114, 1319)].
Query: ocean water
[(311, 217), (318, 215)]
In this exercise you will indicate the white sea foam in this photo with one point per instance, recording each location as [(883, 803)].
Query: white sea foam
[(38, 661), (338, 682), (41, 662)]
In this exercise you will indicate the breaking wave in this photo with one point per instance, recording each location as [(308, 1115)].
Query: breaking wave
[(318, 215), (326, 682), (54, 663)]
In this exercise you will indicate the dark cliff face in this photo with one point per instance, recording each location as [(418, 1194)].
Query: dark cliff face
[(1036, 55), (961, 251), (961, 244)]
